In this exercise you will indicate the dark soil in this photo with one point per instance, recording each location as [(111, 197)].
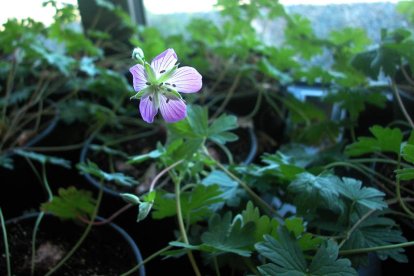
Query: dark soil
[(104, 252)]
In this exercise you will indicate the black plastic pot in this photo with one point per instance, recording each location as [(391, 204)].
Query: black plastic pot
[(50, 223)]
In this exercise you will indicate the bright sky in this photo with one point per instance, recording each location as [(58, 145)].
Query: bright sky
[(33, 8)]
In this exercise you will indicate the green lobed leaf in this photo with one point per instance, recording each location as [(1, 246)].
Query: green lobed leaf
[(70, 203), (227, 236), (284, 253), (366, 196), (264, 225), (286, 258), (315, 191), (384, 140), (195, 204), (326, 262), (378, 230), (228, 187)]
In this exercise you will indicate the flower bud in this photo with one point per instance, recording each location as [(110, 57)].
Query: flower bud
[(138, 54)]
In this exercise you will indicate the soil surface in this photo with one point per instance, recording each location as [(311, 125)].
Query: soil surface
[(104, 252)]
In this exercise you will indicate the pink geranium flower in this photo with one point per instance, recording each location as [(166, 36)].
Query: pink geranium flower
[(158, 85)]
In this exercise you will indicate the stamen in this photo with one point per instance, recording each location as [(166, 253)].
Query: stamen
[(162, 71), (148, 83)]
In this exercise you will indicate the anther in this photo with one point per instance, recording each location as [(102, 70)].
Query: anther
[(148, 83), (174, 85), (168, 100), (150, 98), (161, 84), (162, 71)]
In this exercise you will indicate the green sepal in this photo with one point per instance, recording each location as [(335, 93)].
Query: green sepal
[(130, 198), (173, 94), (142, 93), (167, 75), (152, 77)]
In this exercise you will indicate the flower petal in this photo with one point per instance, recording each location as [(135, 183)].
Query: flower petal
[(148, 109), (164, 61), (172, 110), (139, 77), (186, 80)]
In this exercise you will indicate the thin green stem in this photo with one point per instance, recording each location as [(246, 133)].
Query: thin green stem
[(375, 248), (355, 226), (228, 97), (251, 266), (149, 258), (256, 106), (34, 234), (398, 192), (57, 148), (226, 152), (82, 238), (6, 243), (216, 266), (182, 227), (45, 184), (401, 104)]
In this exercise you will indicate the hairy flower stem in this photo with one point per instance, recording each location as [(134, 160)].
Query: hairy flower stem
[(182, 227), (83, 237), (6, 244), (149, 258)]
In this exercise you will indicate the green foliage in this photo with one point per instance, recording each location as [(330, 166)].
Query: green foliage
[(225, 235), (195, 204), (384, 140), (264, 225), (313, 191), (118, 178), (378, 230), (288, 259), (43, 159), (407, 153), (365, 196), (329, 192), (229, 188), (196, 129), (70, 204), (355, 100)]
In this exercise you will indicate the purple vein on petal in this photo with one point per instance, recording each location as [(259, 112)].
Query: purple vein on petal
[(164, 61), (173, 111), (139, 77), (186, 80), (147, 109)]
